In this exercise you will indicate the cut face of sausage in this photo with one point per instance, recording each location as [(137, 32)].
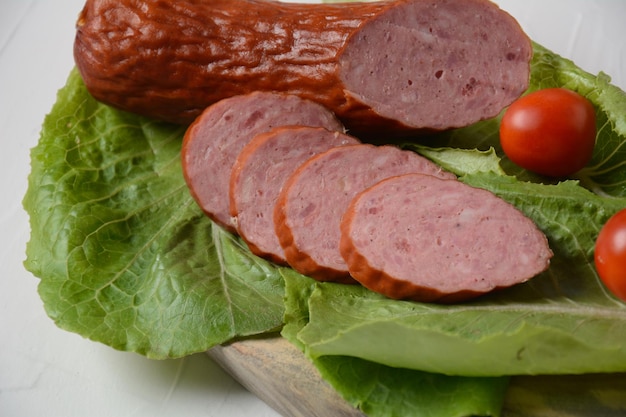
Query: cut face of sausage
[(438, 64), (423, 238), (312, 202), (215, 139), (259, 174)]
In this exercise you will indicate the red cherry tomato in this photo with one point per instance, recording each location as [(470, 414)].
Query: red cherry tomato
[(550, 132), (610, 254)]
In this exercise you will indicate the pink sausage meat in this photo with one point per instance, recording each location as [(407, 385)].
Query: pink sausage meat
[(423, 238), (259, 174)]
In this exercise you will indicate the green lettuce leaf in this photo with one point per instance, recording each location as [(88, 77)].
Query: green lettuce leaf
[(125, 256), (380, 390), (491, 337)]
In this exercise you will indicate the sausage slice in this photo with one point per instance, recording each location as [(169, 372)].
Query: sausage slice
[(310, 206), (258, 176), (423, 238), (215, 139)]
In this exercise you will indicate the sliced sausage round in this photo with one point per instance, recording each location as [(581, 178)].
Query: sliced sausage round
[(259, 174), (423, 238), (215, 139), (310, 206)]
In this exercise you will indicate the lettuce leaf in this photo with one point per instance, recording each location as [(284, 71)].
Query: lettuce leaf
[(125, 256), (380, 390)]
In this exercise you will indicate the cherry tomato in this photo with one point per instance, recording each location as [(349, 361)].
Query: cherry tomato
[(610, 254), (551, 132)]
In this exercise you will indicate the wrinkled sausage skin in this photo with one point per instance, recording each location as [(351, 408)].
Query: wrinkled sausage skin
[(170, 59), (383, 67)]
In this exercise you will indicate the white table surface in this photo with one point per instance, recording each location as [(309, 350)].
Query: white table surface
[(45, 371)]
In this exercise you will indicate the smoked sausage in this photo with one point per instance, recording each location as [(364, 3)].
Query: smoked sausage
[(385, 68), (428, 239)]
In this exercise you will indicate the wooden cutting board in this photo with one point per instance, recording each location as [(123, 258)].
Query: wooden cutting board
[(279, 374)]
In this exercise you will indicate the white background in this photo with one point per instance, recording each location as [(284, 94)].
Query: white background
[(45, 371)]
